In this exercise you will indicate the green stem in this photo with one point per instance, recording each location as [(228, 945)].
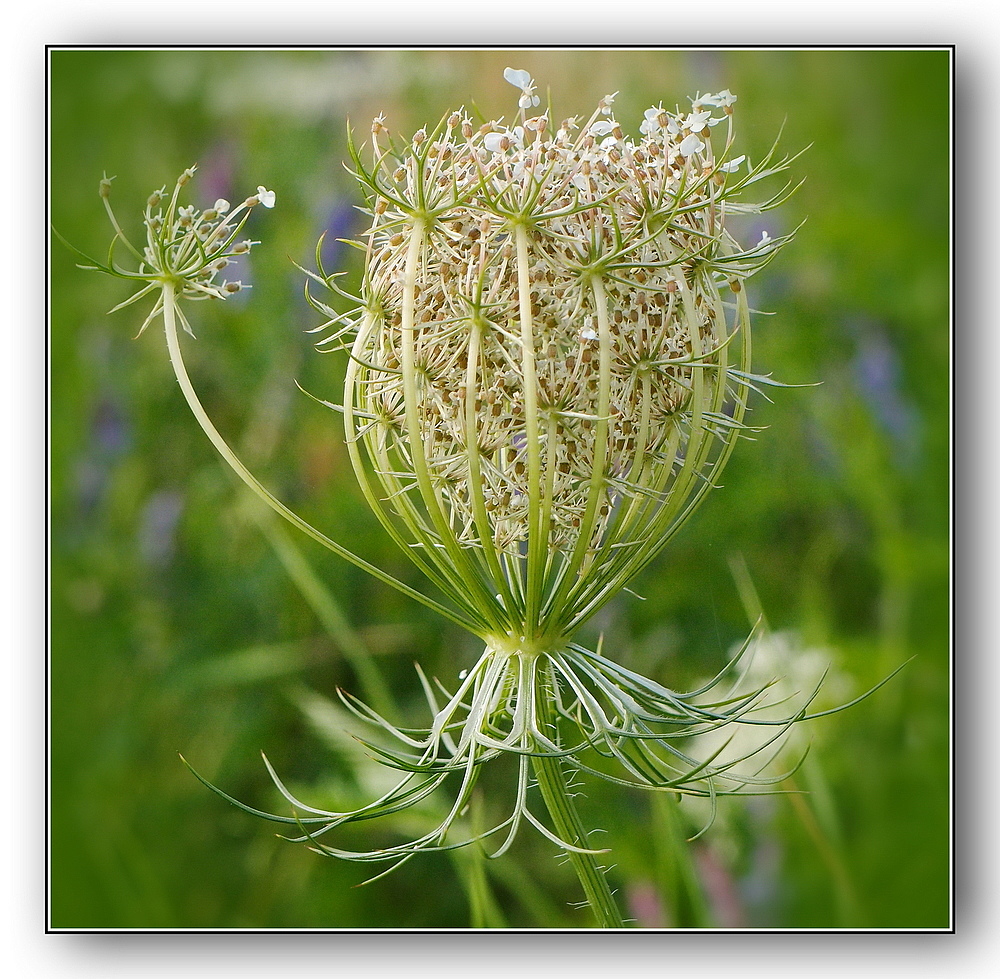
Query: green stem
[(569, 827), (470, 861)]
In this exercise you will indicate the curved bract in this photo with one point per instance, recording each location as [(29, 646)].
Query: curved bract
[(572, 706)]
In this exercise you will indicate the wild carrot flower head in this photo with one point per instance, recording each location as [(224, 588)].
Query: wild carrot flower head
[(549, 356)]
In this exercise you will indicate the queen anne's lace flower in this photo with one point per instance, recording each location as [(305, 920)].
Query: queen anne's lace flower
[(541, 369), (548, 367)]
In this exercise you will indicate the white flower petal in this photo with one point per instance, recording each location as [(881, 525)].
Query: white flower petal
[(691, 144), (696, 121), (517, 77)]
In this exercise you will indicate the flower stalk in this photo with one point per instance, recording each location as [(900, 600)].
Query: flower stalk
[(552, 785)]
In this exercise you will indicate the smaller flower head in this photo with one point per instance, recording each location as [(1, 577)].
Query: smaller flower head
[(185, 248)]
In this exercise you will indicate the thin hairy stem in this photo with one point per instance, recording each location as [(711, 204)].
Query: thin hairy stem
[(568, 825)]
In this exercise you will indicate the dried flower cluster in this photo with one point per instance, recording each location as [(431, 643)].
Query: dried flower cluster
[(541, 368)]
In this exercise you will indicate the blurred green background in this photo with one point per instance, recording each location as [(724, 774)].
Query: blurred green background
[(176, 626)]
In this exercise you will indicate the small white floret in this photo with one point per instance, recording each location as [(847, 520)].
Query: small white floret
[(691, 144), (650, 124), (521, 79), (697, 121)]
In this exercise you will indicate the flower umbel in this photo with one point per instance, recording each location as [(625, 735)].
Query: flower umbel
[(549, 362), (186, 249)]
